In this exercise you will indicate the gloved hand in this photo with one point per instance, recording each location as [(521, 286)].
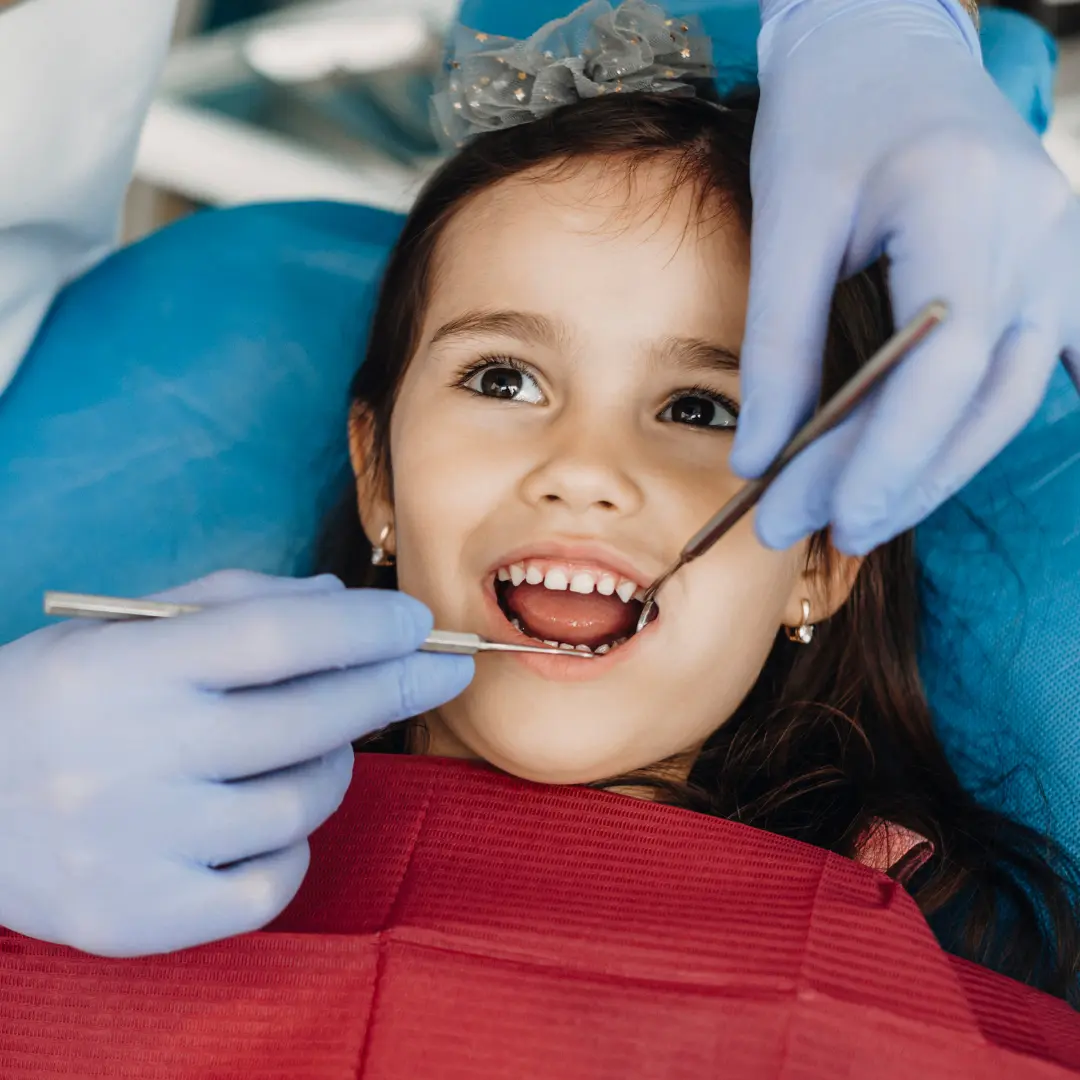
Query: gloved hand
[(135, 757), (879, 132)]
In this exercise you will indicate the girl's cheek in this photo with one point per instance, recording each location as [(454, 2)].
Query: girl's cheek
[(732, 605)]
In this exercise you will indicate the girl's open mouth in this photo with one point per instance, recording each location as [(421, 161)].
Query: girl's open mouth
[(575, 607)]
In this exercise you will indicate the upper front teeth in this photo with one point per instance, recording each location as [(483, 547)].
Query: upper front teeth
[(582, 582), (556, 579), (560, 578)]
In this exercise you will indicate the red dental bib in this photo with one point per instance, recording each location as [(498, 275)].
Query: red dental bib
[(461, 924)]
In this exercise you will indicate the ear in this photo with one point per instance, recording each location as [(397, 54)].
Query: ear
[(373, 499), (826, 584)]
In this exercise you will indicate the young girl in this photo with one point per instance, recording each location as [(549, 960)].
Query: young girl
[(542, 419)]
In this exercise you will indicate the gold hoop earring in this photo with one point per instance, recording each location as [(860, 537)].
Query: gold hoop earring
[(802, 634), (379, 554)]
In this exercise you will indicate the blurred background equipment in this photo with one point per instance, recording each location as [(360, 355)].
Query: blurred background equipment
[(266, 100), (1060, 17), (1063, 138)]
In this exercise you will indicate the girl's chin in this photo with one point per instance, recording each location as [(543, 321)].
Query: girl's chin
[(570, 775), (571, 754)]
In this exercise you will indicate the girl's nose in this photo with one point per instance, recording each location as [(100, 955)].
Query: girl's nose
[(586, 473)]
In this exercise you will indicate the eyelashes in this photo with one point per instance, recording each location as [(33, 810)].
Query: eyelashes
[(503, 379), (476, 367), (483, 373), (707, 392)]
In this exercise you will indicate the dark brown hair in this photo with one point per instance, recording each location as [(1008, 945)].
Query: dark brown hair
[(832, 736)]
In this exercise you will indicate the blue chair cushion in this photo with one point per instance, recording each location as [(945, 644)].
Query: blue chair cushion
[(1001, 650), (183, 408)]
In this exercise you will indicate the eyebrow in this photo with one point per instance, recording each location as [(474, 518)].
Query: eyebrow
[(692, 354), (688, 354), (523, 325)]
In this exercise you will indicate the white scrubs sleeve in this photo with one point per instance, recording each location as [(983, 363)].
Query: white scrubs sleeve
[(76, 79)]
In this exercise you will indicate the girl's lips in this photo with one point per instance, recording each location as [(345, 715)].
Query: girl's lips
[(555, 667)]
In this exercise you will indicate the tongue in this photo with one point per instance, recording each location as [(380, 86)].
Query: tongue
[(574, 618)]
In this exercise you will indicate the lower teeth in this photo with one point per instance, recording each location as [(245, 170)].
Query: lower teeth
[(598, 651)]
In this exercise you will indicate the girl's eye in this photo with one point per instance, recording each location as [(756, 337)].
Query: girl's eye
[(501, 379), (700, 409)]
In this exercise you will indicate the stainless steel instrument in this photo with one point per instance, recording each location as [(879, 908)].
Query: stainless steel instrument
[(115, 608)]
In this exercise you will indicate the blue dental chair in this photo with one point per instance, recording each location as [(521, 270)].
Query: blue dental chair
[(183, 410)]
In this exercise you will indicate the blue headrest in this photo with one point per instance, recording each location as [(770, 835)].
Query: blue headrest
[(1001, 665), (183, 409)]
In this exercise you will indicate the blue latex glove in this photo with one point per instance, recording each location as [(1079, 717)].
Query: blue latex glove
[(880, 132), (138, 756)]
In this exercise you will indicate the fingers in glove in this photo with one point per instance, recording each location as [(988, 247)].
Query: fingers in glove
[(271, 639), (231, 586), (799, 501), (195, 905), (1067, 272), (919, 405), (1005, 402), (936, 206), (230, 822), (797, 246), (260, 730), (1071, 359)]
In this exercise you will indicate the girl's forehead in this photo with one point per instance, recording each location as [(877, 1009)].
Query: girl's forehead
[(601, 200), (595, 243)]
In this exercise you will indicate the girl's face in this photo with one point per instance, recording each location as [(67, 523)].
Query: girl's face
[(568, 417)]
